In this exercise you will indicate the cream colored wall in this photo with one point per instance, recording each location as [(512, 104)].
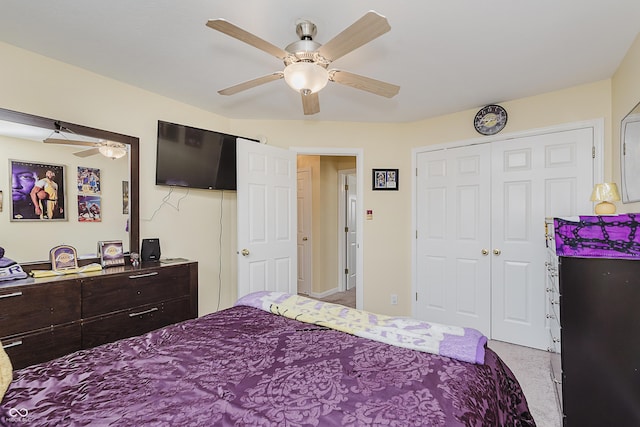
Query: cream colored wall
[(189, 227), (388, 236), (626, 94)]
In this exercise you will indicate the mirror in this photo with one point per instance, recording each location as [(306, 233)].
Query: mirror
[(630, 156), (27, 240)]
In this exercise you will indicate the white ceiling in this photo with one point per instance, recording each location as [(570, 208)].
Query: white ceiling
[(446, 56)]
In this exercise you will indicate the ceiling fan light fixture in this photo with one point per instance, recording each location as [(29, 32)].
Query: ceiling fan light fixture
[(306, 77), (113, 152)]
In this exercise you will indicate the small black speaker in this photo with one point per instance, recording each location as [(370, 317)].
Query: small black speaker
[(150, 250)]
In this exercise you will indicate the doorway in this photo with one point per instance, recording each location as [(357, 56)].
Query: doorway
[(327, 249)]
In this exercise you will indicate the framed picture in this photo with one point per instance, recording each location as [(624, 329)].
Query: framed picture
[(385, 179), (38, 191), (89, 208), (63, 257), (111, 253), (88, 180)]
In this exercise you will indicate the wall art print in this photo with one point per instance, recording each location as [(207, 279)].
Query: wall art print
[(88, 180), (89, 208), (38, 191), (385, 179)]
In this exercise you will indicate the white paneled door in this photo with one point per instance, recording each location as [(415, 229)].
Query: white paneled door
[(533, 177), (480, 247), (266, 218), (453, 236)]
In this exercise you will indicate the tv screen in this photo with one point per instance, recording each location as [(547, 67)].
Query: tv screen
[(195, 158)]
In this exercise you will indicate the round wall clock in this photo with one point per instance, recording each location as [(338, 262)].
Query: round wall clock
[(490, 120)]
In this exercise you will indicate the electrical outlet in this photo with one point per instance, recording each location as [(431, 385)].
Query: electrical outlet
[(394, 299)]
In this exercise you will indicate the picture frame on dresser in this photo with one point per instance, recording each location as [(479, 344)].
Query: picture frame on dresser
[(63, 257), (111, 253)]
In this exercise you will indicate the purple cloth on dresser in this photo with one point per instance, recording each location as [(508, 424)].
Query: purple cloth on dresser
[(243, 366), (615, 236)]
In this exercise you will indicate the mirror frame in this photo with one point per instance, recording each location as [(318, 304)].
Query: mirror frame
[(625, 184), (134, 173)]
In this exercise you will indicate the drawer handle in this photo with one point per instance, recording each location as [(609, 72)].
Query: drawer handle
[(555, 380), (141, 313), (550, 316), (556, 339), (12, 344), (138, 276), (15, 294)]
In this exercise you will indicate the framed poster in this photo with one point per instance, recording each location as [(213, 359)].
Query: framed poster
[(385, 179), (88, 180), (89, 208), (38, 191)]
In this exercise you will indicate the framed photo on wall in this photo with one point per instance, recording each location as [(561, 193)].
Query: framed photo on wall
[(38, 191), (385, 179), (89, 208), (88, 180)]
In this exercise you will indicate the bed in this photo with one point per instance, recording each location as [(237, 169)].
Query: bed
[(257, 365)]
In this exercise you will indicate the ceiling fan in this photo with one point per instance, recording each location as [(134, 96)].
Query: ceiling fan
[(306, 61), (111, 149)]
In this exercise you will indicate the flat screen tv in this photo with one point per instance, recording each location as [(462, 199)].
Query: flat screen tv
[(195, 158)]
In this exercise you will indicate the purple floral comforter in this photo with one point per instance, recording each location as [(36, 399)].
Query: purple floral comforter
[(246, 367)]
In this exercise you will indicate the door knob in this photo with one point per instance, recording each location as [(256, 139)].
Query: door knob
[(304, 239), (484, 252), (497, 251), (245, 252)]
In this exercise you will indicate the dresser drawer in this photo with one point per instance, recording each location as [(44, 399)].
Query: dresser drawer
[(106, 294), (134, 321), (30, 307), (40, 346)]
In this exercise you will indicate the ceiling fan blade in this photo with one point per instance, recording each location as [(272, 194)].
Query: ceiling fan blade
[(236, 32), (251, 83), (356, 81), (70, 142), (371, 26), (310, 104), (87, 153)]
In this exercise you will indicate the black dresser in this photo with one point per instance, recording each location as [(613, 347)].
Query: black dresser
[(600, 336)]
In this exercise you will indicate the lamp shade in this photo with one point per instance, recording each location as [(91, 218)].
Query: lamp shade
[(605, 193), (113, 152), (306, 76)]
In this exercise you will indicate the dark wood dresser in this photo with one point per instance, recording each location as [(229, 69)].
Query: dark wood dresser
[(41, 319), (600, 328)]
